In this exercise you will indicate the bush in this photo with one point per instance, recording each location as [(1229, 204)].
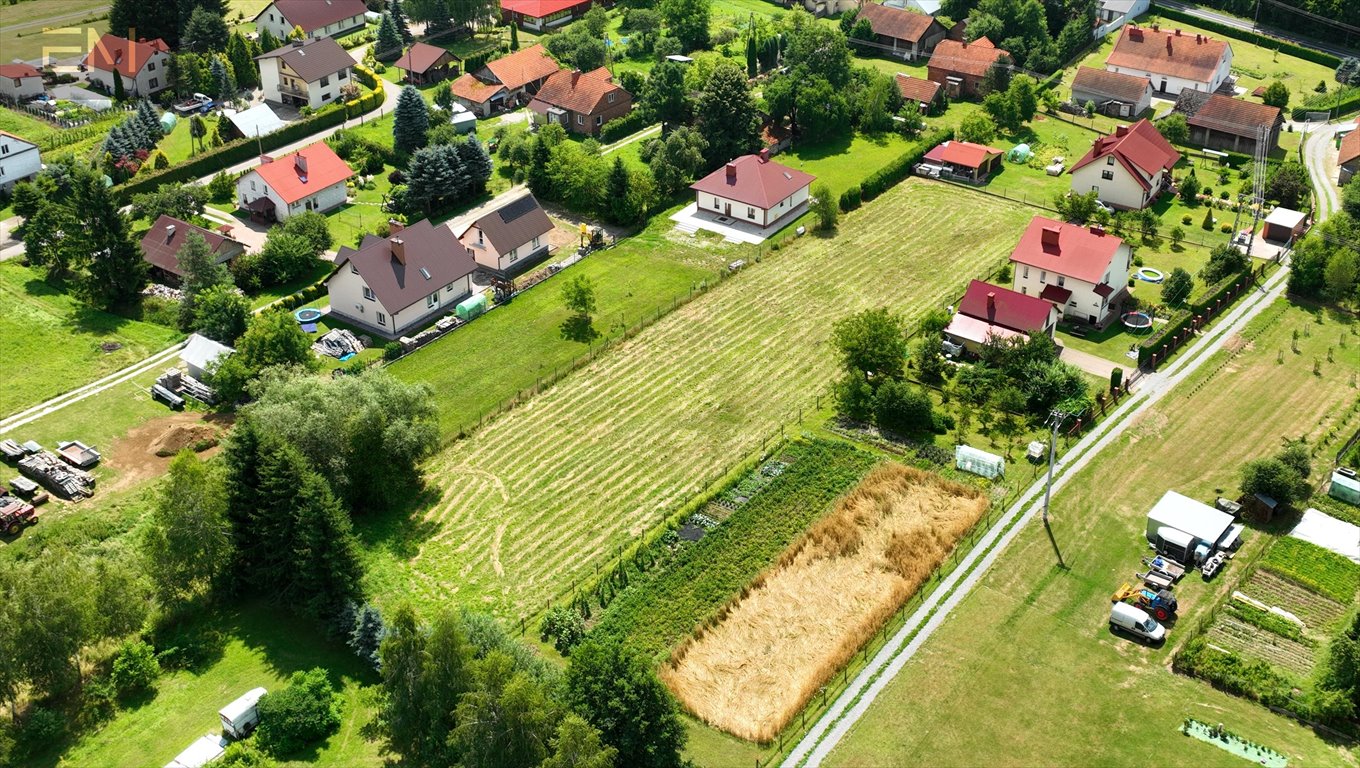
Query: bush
[(1225, 228), (854, 397), (301, 714), (903, 409), (135, 668), (851, 198), (621, 127), (1186, 219), (42, 728), (244, 754), (564, 626), (392, 350)]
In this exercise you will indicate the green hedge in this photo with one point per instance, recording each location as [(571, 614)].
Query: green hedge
[(1291, 49), (1183, 317), (895, 170), (365, 76), (240, 150), (1335, 110), (851, 198), (620, 127)]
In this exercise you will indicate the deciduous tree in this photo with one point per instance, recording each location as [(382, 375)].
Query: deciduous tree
[(726, 115), (617, 692), (873, 342), (221, 314)]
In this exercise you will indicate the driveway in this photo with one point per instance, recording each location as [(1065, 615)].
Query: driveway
[(1095, 365), (1320, 154), (690, 220)]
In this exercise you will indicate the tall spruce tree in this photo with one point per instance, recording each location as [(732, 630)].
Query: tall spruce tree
[(200, 269), (403, 23), (222, 86), (242, 62), (119, 91), (411, 122), (476, 163), (727, 115), (388, 46), (619, 194)]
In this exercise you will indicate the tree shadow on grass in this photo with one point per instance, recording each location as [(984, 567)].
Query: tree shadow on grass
[(579, 328), (400, 529)]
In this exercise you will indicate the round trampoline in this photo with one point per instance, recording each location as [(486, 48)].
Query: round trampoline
[(1137, 321), (1150, 275), (307, 315)]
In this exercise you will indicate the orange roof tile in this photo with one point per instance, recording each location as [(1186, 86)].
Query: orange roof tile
[(128, 57), (291, 182), (1234, 116), (471, 89), (916, 89), (578, 92), (1350, 147), (973, 58), (523, 67), (1168, 52), (897, 23)]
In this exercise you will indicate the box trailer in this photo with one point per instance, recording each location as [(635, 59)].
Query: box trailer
[(240, 717), (1188, 531)]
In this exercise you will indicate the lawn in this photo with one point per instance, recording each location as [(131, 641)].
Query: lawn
[(1036, 633), (25, 125), (262, 646), (529, 504), (57, 340), (68, 33), (635, 277), (846, 161)]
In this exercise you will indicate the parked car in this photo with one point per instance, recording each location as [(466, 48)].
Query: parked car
[(240, 717), (1136, 622)]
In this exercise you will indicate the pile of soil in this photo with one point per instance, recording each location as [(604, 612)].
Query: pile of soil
[(199, 437)]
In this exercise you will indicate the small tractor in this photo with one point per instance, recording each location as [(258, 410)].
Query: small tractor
[(15, 514), (1161, 603)]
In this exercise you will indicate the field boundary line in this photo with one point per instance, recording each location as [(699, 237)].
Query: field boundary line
[(854, 702)]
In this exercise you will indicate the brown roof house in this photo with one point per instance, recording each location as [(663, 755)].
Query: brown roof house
[(19, 81), (511, 238), (961, 66), (581, 102), (316, 18), (1173, 60), (305, 73), (396, 284), (425, 64), (754, 189), (1113, 93), (1349, 156), (908, 33), (1235, 125), (161, 245), (926, 93)]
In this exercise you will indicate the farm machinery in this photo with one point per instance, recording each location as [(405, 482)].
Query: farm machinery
[(15, 514), (1160, 603)]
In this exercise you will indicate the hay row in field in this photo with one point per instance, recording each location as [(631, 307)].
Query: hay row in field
[(804, 618)]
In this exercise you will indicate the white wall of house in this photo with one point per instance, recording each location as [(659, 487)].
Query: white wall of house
[(19, 160), (485, 254), (1170, 85), (275, 76), (252, 187), (279, 27), (740, 211), (153, 77), (20, 87), (1129, 110), (1121, 189), (1085, 304), (350, 300)]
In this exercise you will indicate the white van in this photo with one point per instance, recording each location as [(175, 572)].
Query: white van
[(1135, 621), (240, 717)]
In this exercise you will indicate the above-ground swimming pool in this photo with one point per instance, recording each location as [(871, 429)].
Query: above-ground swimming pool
[(1148, 274), (307, 315), (1137, 321)]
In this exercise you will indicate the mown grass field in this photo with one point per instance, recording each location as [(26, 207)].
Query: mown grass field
[(68, 35), (261, 646), (533, 501), (52, 342), (1026, 672)]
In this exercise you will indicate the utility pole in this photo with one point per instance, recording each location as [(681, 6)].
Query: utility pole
[(1057, 418)]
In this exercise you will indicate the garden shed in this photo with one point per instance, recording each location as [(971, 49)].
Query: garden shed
[(979, 462), (200, 353), (1345, 486), (1283, 225)]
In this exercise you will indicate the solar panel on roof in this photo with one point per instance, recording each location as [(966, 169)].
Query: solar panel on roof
[(517, 208)]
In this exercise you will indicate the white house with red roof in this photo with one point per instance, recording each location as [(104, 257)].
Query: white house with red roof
[(990, 311), (540, 15), (1171, 59), (19, 160), (1083, 271), (20, 81), (753, 189), (144, 64), (311, 179), (1348, 157), (1127, 169), (316, 18)]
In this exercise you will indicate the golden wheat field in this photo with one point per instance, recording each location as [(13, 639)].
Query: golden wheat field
[(803, 618)]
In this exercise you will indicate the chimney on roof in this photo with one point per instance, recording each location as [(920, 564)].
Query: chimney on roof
[(1168, 45), (1178, 32), (169, 232), (1050, 236), (991, 301), (1097, 229), (394, 226), (297, 43), (1198, 38), (141, 39), (300, 162), (731, 171), (266, 159), (399, 250), (1156, 27), (765, 155), (575, 75)]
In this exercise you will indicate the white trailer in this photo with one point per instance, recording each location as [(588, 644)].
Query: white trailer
[(240, 717)]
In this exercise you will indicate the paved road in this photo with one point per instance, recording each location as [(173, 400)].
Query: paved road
[(1249, 26), (1319, 153)]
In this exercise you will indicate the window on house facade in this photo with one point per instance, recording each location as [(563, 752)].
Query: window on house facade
[(4, 150), (353, 269), (514, 254), (1107, 175), (449, 288), (535, 242), (1061, 281), (580, 119), (1109, 160), (599, 120), (325, 97), (432, 300), (151, 66), (1026, 271), (382, 319), (155, 82), (17, 83), (1043, 276), (750, 212), (325, 80), (344, 73), (368, 294)]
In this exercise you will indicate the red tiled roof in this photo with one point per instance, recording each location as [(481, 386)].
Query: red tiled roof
[(1112, 85), (1350, 147), (973, 58), (315, 14), (19, 70), (538, 9), (578, 92), (523, 67), (601, 73), (1234, 116), (420, 57), (290, 182), (471, 89), (916, 89), (1066, 249), (1004, 307), (128, 57), (962, 153), (1168, 52), (432, 258), (749, 179), (896, 23), (161, 245), (1139, 146)]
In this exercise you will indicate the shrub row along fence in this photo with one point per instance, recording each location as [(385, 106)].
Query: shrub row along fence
[(1186, 322), (1283, 46), (240, 150), (625, 126), (892, 172)]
